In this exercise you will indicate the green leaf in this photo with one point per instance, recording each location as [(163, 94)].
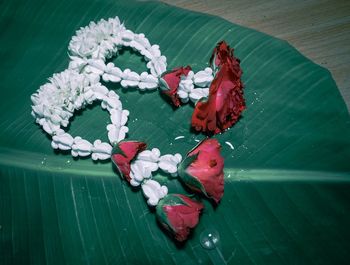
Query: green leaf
[(286, 180), (186, 162)]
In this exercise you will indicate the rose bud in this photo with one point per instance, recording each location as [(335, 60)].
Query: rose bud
[(178, 214), (169, 83), (123, 154), (225, 102), (202, 169)]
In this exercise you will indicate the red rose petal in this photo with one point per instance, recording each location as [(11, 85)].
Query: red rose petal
[(123, 153), (225, 103), (208, 167), (172, 79), (180, 217)]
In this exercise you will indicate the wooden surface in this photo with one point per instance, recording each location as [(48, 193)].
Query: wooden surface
[(319, 29)]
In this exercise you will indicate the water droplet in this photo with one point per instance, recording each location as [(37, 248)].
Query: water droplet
[(230, 145), (43, 162), (209, 239), (68, 162)]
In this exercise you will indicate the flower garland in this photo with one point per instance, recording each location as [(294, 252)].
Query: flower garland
[(216, 92)]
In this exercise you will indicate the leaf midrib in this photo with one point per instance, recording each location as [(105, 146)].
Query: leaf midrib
[(31, 161)]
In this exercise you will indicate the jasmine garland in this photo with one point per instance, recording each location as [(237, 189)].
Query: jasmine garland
[(217, 107)]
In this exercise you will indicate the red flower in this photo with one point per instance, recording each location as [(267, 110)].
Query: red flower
[(169, 83), (225, 103), (178, 214), (221, 54), (202, 169), (123, 153)]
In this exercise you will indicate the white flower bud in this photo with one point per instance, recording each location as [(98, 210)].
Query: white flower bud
[(101, 150), (198, 93), (169, 163), (153, 191), (203, 78), (62, 140), (81, 147)]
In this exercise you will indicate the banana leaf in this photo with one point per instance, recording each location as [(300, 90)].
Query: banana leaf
[(287, 177)]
